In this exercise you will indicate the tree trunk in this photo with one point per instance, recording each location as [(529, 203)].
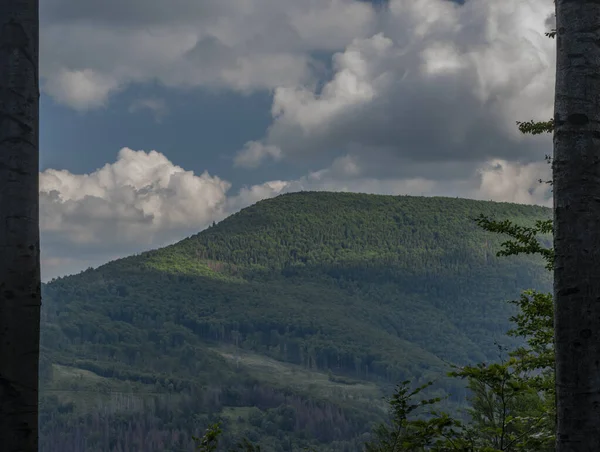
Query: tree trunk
[(576, 176), (20, 298)]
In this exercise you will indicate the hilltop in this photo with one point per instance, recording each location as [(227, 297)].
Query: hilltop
[(307, 306)]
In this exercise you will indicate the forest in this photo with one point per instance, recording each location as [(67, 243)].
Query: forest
[(287, 324)]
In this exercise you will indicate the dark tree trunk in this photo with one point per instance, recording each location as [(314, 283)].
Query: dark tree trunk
[(576, 176), (20, 298)]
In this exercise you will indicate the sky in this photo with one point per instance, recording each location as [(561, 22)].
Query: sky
[(158, 118)]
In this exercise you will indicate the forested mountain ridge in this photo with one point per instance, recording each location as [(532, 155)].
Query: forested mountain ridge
[(363, 287)]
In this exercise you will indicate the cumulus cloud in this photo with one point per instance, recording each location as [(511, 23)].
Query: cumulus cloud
[(441, 85), (142, 198), (237, 44)]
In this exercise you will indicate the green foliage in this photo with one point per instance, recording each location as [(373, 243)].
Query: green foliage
[(536, 127), (292, 280), (293, 277), (524, 239), (535, 323), (404, 433), (511, 402), (506, 414), (534, 320), (210, 439)]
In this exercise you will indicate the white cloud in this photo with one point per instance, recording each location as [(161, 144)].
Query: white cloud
[(440, 84), (238, 44), (511, 182), (357, 81), (141, 199)]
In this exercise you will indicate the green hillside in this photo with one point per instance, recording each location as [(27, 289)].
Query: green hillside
[(288, 320)]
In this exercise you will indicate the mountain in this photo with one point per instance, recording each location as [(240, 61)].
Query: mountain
[(288, 321)]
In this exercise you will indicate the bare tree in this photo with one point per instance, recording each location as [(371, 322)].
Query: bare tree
[(576, 178), (20, 297)]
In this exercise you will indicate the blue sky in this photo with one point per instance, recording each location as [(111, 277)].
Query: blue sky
[(200, 131), (243, 100)]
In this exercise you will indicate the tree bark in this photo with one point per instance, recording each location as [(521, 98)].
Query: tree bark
[(20, 298), (576, 176)]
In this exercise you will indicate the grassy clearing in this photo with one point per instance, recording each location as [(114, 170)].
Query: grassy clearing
[(90, 392), (299, 379)]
